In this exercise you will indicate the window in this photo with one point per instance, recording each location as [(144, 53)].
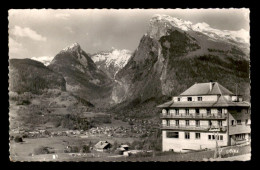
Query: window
[(187, 111), (199, 98), (177, 111), (212, 137), (239, 122), (164, 111), (189, 98), (232, 122), (246, 121), (240, 136), (208, 112), (177, 122), (167, 122), (197, 135), (197, 112), (197, 123), (167, 113), (220, 123), (187, 135), (210, 123), (187, 123), (172, 134), (219, 110), (179, 99)]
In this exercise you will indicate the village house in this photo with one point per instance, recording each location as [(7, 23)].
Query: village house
[(102, 146), (202, 115)]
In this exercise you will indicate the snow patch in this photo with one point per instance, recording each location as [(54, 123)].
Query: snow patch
[(117, 58), (46, 60), (159, 25)]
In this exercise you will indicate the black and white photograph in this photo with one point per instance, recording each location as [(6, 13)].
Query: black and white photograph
[(129, 85)]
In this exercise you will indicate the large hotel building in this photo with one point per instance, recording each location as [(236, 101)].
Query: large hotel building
[(188, 120)]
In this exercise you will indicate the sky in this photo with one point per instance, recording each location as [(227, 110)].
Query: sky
[(38, 33)]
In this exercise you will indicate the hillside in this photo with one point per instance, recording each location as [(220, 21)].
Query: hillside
[(26, 75), (38, 97)]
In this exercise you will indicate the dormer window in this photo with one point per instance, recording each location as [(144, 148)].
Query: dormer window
[(199, 98), (189, 98)]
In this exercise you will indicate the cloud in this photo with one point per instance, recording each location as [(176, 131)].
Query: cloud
[(69, 29), (96, 44), (15, 47), (62, 16), (27, 32)]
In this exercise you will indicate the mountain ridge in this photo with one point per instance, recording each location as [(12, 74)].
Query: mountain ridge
[(82, 76), (111, 61)]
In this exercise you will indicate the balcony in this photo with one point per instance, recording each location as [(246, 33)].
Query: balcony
[(183, 116), (194, 128)]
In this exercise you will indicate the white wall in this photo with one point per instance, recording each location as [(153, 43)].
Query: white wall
[(178, 144)]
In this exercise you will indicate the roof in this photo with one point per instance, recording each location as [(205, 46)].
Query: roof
[(120, 149), (102, 144), (204, 89), (221, 102), (206, 104)]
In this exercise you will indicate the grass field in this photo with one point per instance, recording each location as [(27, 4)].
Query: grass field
[(22, 151)]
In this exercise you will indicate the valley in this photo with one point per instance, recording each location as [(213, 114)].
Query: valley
[(66, 105)]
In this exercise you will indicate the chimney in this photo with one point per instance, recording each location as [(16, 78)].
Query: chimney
[(210, 86)]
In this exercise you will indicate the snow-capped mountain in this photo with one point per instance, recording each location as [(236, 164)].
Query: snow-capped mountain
[(160, 24), (174, 54), (46, 60), (111, 61)]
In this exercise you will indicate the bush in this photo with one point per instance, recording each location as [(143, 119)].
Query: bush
[(25, 136), (85, 149), (23, 102), (131, 123), (115, 146), (18, 139), (72, 149), (42, 150)]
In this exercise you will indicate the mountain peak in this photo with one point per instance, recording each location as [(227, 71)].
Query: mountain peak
[(73, 47), (160, 24)]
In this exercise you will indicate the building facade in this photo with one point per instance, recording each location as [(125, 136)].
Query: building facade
[(202, 115)]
